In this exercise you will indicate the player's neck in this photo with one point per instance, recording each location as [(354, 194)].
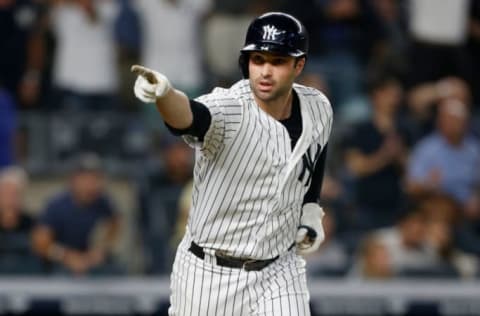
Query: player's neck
[(279, 108)]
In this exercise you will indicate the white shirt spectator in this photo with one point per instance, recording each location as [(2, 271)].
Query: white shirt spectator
[(439, 21), (402, 257), (85, 55), (171, 39)]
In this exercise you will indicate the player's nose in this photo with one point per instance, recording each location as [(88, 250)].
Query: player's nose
[(266, 70)]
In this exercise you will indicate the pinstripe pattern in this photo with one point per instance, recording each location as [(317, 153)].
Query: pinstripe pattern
[(246, 197), (200, 288)]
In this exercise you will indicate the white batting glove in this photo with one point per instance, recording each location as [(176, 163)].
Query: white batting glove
[(310, 233), (150, 85)]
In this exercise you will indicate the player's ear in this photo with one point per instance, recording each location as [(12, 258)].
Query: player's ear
[(299, 65)]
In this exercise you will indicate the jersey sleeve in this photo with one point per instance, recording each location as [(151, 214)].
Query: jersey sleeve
[(321, 112), (200, 124), (220, 106), (325, 118)]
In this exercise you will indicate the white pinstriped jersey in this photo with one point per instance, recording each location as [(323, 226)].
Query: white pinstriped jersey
[(249, 183)]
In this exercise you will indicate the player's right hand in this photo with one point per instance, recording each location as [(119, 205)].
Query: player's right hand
[(310, 233), (150, 85)]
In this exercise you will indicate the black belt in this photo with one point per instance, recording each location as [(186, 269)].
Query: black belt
[(232, 262)]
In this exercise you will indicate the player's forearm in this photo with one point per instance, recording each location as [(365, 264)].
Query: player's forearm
[(175, 109)]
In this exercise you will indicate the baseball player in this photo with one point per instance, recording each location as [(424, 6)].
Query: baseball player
[(260, 153)]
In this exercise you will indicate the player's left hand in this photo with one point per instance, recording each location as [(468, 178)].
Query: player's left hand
[(310, 233)]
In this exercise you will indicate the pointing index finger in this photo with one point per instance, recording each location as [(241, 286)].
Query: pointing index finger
[(144, 72)]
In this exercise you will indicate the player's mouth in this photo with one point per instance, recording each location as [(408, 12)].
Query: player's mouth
[(265, 86)]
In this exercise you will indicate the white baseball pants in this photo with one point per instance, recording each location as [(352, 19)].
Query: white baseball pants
[(202, 288)]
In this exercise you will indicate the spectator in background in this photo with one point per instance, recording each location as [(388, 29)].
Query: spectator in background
[(443, 216), (78, 229), (474, 49), (85, 64), (448, 159), (439, 206), (160, 187), (439, 30), (21, 53), (8, 126), (406, 243), (345, 37), (393, 52), (128, 39), (463, 222), (223, 36), (16, 256), (375, 154), (424, 98), (451, 261), (224, 33), (468, 231), (373, 261)]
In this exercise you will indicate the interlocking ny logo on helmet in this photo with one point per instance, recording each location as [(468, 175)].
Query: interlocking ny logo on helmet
[(270, 32), (274, 32)]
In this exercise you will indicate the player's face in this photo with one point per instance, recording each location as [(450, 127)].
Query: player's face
[(272, 75)]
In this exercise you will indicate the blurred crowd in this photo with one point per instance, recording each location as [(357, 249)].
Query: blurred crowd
[(402, 189)]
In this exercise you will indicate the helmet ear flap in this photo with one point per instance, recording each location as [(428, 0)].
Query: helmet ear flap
[(243, 64)]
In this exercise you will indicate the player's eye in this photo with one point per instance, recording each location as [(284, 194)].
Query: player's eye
[(257, 59), (279, 61)]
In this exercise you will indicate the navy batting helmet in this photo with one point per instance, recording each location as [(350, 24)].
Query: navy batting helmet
[(274, 32)]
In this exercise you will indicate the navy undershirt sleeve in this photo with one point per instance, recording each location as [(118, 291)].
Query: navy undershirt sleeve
[(201, 122), (313, 193)]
